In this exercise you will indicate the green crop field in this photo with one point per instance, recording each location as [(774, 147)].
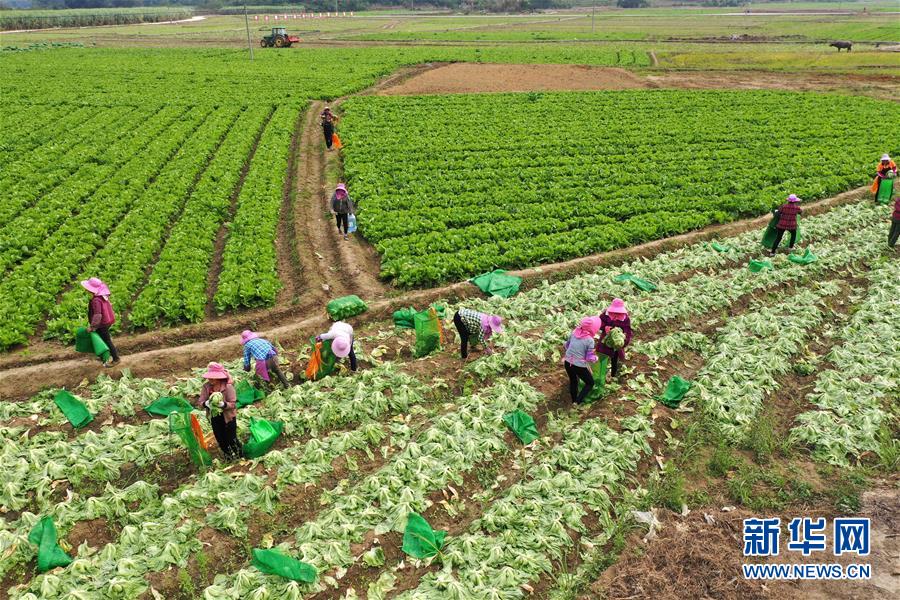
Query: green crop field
[(449, 187), (196, 183)]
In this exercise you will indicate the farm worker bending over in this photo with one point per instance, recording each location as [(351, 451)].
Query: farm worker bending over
[(895, 224), (341, 336), (265, 355), (218, 398), (328, 119), (615, 317), (477, 327), (342, 207), (787, 221), (101, 316), (885, 169), (579, 355)]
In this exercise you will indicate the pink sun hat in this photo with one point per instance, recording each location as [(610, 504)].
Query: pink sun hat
[(340, 188), (215, 371), (793, 198), (341, 346), (617, 306), (492, 324), (248, 335), (95, 286)]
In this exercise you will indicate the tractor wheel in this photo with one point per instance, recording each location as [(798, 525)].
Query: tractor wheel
[(287, 45), (280, 42), (263, 43)]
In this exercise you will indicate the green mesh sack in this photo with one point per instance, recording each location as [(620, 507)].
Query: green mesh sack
[(91, 343), (419, 539), (49, 554), (497, 283), (885, 191), (641, 284), (163, 406), (180, 425), (803, 259), (428, 332), (247, 394), (675, 390), (273, 562), (73, 408), (599, 371), (346, 307), (263, 435), (522, 425)]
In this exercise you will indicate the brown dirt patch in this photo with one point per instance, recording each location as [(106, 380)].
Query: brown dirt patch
[(96, 533), (467, 78)]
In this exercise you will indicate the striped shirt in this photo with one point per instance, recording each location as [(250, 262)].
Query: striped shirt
[(259, 349), (472, 320)]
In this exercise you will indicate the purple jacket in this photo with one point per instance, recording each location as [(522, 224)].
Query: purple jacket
[(624, 325)]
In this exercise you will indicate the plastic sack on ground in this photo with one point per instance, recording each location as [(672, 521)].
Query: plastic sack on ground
[(263, 435), (429, 332), (885, 191), (91, 343), (181, 425), (770, 233), (165, 405), (522, 425), (247, 394), (675, 390), (803, 259), (760, 265), (321, 361), (273, 562), (73, 408), (49, 554), (419, 539), (346, 307), (497, 283), (599, 371), (720, 247), (641, 284)]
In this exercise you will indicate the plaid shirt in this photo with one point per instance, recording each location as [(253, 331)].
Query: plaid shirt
[(259, 349), (472, 320), (788, 213)]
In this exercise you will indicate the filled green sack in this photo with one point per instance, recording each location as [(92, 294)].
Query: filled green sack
[(497, 283), (263, 435), (180, 425), (803, 259), (641, 284), (419, 539), (598, 369), (346, 307), (720, 247), (428, 332), (247, 394), (73, 408), (273, 562), (405, 317), (760, 265), (675, 390), (91, 343), (885, 191), (166, 405), (522, 425), (49, 554), (771, 232)]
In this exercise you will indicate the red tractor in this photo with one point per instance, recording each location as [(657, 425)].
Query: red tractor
[(278, 39)]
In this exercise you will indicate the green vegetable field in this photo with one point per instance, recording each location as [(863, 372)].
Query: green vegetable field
[(452, 186), (537, 169)]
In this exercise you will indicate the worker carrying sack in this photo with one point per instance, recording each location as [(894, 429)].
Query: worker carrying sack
[(73, 408), (769, 235), (429, 332), (346, 307)]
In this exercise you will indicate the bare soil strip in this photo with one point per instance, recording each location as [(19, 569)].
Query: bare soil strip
[(25, 375)]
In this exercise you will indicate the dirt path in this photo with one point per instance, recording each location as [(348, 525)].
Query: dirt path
[(25, 375)]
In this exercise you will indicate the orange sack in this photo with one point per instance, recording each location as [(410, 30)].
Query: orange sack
[(336, 141), (198, 432)]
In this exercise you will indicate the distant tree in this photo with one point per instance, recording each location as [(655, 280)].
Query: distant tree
[(632, 3)]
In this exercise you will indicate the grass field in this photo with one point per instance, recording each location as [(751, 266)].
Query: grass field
[(196, 184)]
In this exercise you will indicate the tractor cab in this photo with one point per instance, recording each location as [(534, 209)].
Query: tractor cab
[(278, 39)]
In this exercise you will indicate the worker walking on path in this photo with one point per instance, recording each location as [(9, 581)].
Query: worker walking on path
[(328, 119), (615, 317), (218, 398), (580, 355), (265, 355), (101, 316), (342, 206), (894, 233), (477, 328), (341, 336), (787, 221)]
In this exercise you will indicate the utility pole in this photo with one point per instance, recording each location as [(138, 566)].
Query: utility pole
[(247, 25), (593, 9), (335, 7)]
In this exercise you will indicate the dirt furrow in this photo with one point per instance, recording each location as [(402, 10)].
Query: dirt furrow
[(290, 270)]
